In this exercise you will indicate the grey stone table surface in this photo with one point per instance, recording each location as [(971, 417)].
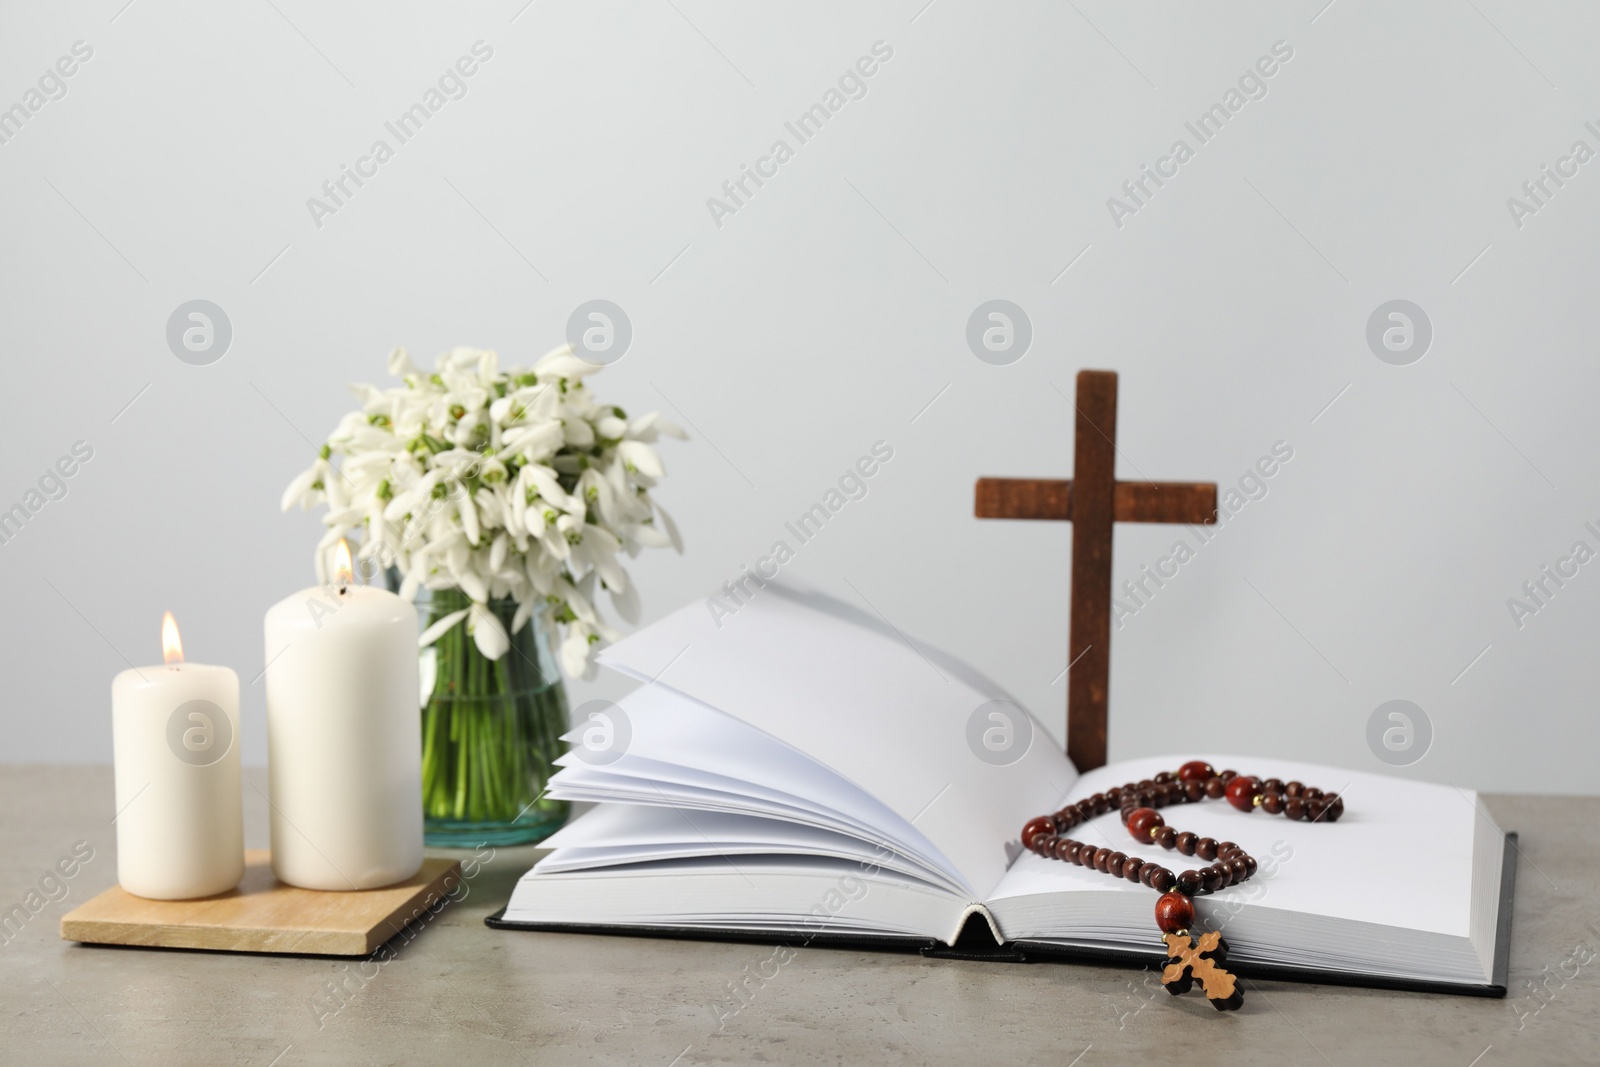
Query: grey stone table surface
[(462, 993)]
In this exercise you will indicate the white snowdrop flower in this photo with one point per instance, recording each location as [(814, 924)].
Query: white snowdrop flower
[(642, 458), (487, 632), (501, 483), (579, 434), (305, 484), (671, 527), (626, 601), (467, 511), (575, 650), (648, 428)]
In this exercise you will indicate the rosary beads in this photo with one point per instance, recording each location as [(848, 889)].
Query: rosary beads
[(1187, 962)]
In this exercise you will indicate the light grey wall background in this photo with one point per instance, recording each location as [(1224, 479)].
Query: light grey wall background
[(830, 312)]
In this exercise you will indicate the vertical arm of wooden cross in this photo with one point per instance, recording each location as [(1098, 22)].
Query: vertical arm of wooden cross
[(1089, 640)]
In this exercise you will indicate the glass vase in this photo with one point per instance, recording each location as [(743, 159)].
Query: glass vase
[(490, 733)]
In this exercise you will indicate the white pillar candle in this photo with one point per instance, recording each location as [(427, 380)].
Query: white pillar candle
[(175, 738), (344, 736)]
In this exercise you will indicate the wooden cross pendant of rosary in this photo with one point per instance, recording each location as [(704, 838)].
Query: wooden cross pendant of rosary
[(1189, 962)]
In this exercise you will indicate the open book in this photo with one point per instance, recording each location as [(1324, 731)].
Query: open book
[(805, 772)]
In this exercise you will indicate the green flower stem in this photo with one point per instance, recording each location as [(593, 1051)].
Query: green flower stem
[(491, 727)]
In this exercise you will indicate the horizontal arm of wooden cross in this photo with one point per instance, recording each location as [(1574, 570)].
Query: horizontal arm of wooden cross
[(1051, 498)]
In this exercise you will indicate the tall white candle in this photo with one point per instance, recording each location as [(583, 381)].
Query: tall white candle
[(175, 737), (344, 736)]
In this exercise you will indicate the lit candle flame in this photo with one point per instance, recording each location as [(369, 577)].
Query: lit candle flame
[(171, 644), (344, 572)]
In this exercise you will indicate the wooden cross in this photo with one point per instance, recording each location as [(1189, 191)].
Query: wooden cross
[(1201, 962), (1092, 501)]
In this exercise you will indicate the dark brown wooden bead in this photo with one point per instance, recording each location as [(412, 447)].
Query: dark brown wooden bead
[(1206, 848), (1272, 785), (1162, 777), (1186, 842), (1100, 857), (1311, 794), (1294, 808), (1215, 787), (1131, 868), (1227, 776), (1146, 783), (1114, 863), (1238, 868), (1215, 878), (1162, 880), (1114, 794), (1335, 809), (1099, 804), (1193, 791), (1035, 828), (1228, 846), (1316, 809), (1067, 852), (1249, 863), (1292, 789), (1142, 822), (1272, 803), (1167, 837), (1190, 882), (1196, 770), (1174, 912)]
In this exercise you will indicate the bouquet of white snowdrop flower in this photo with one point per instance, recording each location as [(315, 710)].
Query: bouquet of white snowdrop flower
[(500, 484)]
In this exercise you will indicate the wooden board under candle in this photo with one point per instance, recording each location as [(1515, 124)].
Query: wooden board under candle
[(264, 915)]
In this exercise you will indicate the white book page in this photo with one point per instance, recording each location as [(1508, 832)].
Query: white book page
[(617, 834), (855, 694), (1401, 859), (701, 758), (789, 896), (1350, 869)]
